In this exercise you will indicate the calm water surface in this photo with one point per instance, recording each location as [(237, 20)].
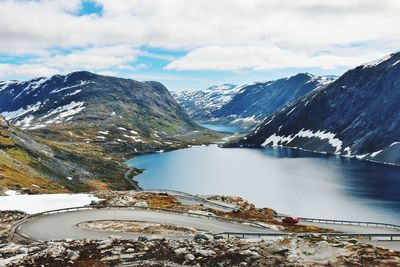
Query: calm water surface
[(289, 181), (222, 128)]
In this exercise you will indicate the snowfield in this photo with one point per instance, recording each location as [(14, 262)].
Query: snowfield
[(40, 203)]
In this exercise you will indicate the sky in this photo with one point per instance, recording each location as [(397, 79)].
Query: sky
[(191, 45)]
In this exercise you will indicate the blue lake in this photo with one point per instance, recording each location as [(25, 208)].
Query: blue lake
[(222, 128), (287, 180)]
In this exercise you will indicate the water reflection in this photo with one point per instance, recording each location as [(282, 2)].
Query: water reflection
[(288, 180)]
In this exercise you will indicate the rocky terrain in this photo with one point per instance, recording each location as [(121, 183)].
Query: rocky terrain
[(357, 115), (200, 105), (202, 251)]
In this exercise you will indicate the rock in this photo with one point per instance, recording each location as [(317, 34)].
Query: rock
[(205, 252), (3, 122), (323, 244), (218, 237), (130, 250), (353, 241), (189, 257), (179, 251), (22, 250), (203, 237), (105, 244), (156, 238), (142, 204), (250, 253), (142, 238), (73, 255)]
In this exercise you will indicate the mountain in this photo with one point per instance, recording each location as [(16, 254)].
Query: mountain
[(84, 98), (357, 115), (256, 101), (93, 123), (201, 104)]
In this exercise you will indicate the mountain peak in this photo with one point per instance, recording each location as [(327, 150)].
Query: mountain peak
[(388, 61)]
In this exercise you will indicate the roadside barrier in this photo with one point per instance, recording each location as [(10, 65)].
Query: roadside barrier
[(371, 236), (191, 197), (346, 222)]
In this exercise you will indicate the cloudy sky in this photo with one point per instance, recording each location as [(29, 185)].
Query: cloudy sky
[(197, 43)]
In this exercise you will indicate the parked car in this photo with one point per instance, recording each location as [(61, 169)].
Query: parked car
[(290, 219)]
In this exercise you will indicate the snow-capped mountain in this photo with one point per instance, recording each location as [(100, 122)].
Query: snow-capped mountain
[(257, 101), (201, 104), (357, 115), (82, 100)]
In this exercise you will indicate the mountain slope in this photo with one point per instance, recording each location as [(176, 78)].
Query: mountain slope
[(201, 104), (357, 115), (86, 98), (19, 167), (259, 100)]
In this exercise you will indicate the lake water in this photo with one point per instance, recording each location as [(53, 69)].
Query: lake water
[(222, 128), (288, 180)]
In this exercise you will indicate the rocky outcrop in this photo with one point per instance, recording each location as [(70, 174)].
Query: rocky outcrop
[(290, 251)]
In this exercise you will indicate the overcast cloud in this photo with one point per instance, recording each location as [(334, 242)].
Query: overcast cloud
[(46, 37)]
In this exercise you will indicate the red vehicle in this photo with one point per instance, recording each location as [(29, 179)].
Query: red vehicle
[(290, 219)]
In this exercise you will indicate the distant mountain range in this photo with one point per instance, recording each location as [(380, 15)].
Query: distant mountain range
[(357, 115), (259, 100), (200, 105), (247, 105)]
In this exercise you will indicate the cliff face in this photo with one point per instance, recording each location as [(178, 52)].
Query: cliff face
[(356, 115)]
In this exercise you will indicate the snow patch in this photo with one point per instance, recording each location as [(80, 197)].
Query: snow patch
[(277, 140), (9, 115), (69, 110), (82, 83), (40, 203), (376, 153), (376, 62)]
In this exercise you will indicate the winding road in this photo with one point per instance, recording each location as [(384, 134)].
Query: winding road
[(64, 225)]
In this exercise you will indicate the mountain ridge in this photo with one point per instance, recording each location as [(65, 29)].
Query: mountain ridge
[(355, 116)]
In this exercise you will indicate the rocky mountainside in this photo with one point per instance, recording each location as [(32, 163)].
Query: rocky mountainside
[(93, 123), (357, 115), (259, 100), (201, 104), (21, 166), (83, 100)]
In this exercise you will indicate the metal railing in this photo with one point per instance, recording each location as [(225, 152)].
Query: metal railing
[(347, 222), (191, 197), (369, 236)]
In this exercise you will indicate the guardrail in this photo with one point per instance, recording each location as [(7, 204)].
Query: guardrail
[(347, 222), (374, 236), (16, 227), (191, 197)]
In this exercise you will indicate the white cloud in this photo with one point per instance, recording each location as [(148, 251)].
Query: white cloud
[(264, 57), (97, 59), (217, 34)]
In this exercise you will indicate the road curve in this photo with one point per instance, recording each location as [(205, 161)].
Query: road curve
[(64, 225)]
